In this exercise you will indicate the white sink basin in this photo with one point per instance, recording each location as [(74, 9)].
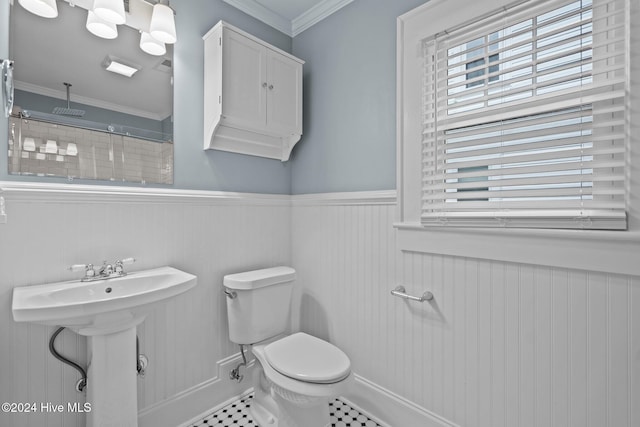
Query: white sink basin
[(78, 304)]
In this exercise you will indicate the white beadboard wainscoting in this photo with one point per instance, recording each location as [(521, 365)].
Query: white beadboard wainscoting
[(208, 234), (503, 344)]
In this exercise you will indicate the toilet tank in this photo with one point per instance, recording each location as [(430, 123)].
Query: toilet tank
[(258, 303)]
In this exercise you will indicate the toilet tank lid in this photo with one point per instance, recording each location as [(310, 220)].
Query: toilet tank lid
[(259, 278)]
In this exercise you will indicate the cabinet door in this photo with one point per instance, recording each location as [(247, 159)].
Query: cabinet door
[(244, 77), (284, 94)]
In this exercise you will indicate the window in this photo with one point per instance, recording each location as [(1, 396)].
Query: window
[(524, 118)]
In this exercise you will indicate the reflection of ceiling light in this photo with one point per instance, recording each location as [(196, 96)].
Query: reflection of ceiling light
[(163, 24), (151, 45), (110, 64), (72, 149), (51, 147), (110, 10), (29, 144), (101, 28), (43, 8)]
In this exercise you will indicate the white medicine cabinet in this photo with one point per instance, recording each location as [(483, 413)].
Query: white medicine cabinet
[(252, 95)]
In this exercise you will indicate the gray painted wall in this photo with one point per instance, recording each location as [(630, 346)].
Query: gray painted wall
[(349, 140), (194, 168)]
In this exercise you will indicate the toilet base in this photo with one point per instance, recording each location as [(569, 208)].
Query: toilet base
[(261, 415), (269, 409)]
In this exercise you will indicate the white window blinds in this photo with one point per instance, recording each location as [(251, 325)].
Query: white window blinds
[(525, 118)]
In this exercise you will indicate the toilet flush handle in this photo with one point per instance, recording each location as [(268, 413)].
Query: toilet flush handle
[(230, 294)]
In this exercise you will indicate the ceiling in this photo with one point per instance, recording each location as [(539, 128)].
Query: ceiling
[(289, 16)]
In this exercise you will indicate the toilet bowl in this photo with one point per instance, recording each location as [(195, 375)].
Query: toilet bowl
[(296, 375)]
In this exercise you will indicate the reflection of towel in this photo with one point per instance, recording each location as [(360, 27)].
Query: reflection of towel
[(29, 144)]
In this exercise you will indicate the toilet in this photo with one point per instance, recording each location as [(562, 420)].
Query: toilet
[(296, 375)]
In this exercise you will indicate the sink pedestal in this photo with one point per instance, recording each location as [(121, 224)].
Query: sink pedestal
[(112, 376)]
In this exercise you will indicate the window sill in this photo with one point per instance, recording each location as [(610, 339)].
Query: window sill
[(604, 251)]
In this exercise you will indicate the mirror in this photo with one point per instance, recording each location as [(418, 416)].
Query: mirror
[(72, 117)]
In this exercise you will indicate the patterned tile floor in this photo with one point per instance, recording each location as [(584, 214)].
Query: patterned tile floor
[(237, 415)]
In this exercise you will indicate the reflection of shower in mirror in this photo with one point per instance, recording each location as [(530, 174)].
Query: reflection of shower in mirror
[(68, 111)]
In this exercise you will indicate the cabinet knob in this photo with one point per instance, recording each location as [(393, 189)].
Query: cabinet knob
[(270, 87), (264, 84)]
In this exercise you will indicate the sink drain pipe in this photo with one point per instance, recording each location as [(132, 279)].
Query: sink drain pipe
[(141, 360), (82, 383)]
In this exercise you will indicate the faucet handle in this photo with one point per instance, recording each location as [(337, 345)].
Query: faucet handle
[(119, 269), (78, 267), (87, 268)]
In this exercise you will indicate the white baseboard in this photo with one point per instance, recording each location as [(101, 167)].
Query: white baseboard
[(184, 409), (201, 399), (390, 409)]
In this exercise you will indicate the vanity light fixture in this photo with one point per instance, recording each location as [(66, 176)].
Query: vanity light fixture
[(43, 8), (154, 19), (99, 27), (115, 66), (110, 10), (163, 23), (151, 46)]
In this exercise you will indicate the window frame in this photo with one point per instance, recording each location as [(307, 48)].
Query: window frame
[(597, 250)]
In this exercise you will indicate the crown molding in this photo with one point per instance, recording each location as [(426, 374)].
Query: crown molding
[(294, 27), (261, 13), (316, 14)]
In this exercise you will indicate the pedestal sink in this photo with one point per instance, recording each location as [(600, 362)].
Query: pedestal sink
[(107, 312)]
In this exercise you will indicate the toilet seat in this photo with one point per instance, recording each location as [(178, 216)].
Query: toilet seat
[(303, 357), (303, 388)]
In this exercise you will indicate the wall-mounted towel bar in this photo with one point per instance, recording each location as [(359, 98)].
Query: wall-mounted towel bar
[(400, 291)]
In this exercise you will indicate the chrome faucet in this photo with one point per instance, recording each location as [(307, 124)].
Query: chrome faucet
[(107, 271)]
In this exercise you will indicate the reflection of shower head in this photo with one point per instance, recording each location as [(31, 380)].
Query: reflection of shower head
[(68, 111)]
